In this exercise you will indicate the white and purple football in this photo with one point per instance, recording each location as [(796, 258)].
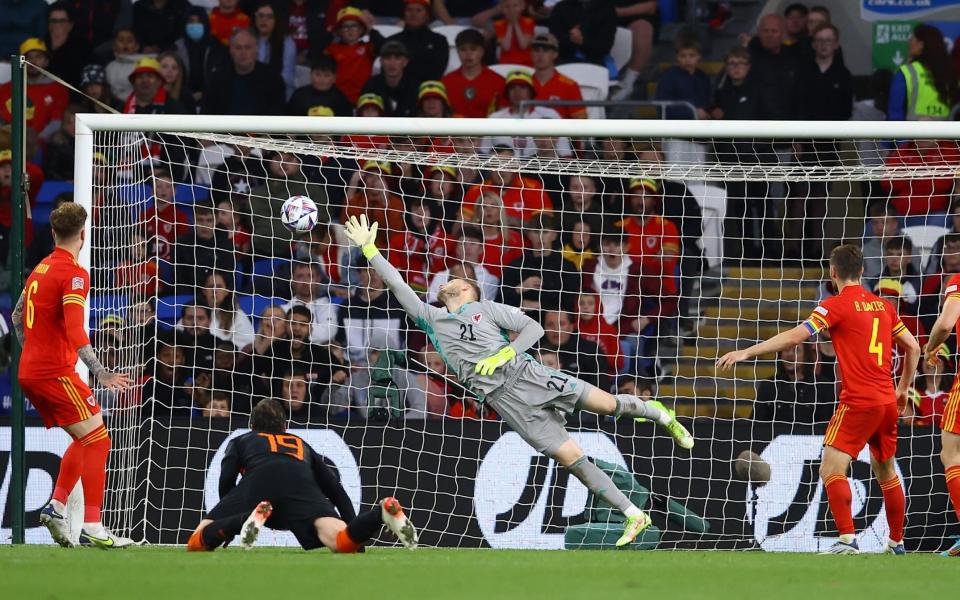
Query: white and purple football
[(299, 214)]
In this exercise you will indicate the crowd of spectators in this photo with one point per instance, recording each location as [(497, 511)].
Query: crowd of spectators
[(604, 263), (317, 328)]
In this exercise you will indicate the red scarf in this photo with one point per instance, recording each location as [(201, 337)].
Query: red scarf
[(130, 106), (151, 149)]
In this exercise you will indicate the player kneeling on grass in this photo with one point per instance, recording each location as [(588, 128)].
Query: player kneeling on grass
[(49, 323), (863, 328), (533, 399), (950, 423), (287, 486)]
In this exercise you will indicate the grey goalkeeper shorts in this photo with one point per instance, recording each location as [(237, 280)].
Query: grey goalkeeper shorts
[(534, 402)]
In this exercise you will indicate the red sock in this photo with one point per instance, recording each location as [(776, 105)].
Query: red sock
[(953, 486), (96, 447), (840, 497), (896, 506), (345, 544), (71, 465)]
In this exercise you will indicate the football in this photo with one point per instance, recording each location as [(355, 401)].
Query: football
[(298, 213)]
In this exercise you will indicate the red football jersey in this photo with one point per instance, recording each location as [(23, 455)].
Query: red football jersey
[(53, 314), (515, 55), (473, 98), (654, 237), (354, 65), (862, 327), (952, 292), (561, 87)]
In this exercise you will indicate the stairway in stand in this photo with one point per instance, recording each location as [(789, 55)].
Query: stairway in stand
[(753, 304)]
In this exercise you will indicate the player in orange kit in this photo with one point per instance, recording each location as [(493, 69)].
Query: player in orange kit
[(49, 322), (950, 423), (863, 328)]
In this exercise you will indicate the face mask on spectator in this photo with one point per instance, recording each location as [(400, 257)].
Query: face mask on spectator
[(194, 31)]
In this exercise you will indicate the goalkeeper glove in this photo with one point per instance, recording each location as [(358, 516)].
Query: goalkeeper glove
[(490, 364), (363, 235)]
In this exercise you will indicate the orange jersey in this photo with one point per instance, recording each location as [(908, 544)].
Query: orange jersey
[(862, 327), (53, 317), (354, 65), (473, 98), (515, 55), (561, 87)]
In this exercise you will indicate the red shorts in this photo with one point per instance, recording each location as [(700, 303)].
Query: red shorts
[(60, 401), (951, 411), (852, 428)]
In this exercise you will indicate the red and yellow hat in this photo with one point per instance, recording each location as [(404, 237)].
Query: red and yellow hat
[(645, 183), (432, 89), (31, 44), (320, 111), (146, 64), (350, 13), (889, 287), (5, 156), (448, 171), (519, 76), (375, 166), (370, 100)]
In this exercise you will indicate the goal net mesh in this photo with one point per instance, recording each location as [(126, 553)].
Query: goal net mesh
[(645, 259)]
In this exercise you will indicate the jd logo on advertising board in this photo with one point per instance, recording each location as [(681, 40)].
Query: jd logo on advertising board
[(790, 513), (517, 487)]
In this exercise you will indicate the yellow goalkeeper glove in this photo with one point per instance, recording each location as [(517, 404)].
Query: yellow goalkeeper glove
[(490, 364), (363, 235)]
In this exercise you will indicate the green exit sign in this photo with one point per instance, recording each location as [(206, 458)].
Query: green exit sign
[(890, 43)]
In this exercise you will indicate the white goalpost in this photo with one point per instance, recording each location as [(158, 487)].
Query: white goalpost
[(643, 265)]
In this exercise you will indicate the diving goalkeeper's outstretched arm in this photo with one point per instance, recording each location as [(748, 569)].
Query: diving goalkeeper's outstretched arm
[(364, 234)]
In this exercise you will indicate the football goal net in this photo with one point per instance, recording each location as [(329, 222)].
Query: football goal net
[(646, 249)]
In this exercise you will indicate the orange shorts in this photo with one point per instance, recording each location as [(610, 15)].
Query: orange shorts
[(851, 428), (951, 411), (61, 401)]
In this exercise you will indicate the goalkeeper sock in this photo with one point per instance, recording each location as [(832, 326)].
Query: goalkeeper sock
[(632, 406), (71, 466), (953, 486), (600, 484), (95, 447), (895, 505), (839, 497), (364, 526), (223, 530)]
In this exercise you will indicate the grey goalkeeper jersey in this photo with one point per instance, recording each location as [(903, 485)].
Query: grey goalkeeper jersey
[(478, 330)]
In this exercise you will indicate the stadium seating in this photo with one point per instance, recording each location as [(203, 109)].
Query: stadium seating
[(266, 273), (301, 76), (924, 238), (594, 82), (622, 47), (254, 304), (713, 205), (503, 68), (450, 32), (169, 307), (388, 30), (103, 304)]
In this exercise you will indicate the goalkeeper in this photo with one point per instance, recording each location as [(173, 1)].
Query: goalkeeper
[(470, 336)]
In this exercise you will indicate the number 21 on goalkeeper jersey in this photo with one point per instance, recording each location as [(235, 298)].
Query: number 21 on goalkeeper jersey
[(862, 327)]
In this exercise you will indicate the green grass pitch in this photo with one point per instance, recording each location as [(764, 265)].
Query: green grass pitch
[(268, 574)]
